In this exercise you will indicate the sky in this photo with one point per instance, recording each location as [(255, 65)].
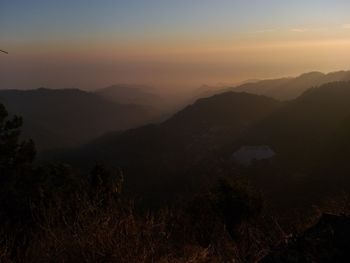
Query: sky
[(168, 44)]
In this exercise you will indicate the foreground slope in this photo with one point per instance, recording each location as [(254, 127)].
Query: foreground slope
[(326, 241)]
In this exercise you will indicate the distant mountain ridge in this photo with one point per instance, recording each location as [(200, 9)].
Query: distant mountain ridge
[(68, 117), (291, 88)]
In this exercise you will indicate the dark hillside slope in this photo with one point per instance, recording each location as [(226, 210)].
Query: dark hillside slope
[(306, 134), (310, 136), (196, 144), (161, 156), (306, 126)]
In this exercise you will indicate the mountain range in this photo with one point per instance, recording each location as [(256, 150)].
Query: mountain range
[(65, 118), (291, 88), (195, 146), (287, 88)]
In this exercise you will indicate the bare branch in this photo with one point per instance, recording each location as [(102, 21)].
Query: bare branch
[(3, 51)]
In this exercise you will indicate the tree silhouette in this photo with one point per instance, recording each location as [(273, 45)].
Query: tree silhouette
[(14, 153), (16, 163)]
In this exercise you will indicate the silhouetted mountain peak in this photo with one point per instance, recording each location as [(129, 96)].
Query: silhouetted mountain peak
[(328, 92), (223, 107), (291, 88), (312, 74)]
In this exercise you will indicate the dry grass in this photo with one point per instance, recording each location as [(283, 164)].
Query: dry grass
[(81, 230), (111, 233)]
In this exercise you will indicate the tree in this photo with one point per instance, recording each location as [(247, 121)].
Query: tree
[(15, 155), (228, 203), (235, 203), (16, 159), (106, 184)]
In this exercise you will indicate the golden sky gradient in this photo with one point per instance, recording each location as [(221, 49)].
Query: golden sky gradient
[(170, 51)]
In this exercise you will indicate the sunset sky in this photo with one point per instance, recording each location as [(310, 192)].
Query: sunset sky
[(184, 43)]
